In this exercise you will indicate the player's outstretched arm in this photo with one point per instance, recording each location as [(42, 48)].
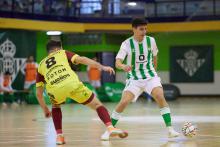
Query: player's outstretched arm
[(120, 65), (41, 101), (92, 63)]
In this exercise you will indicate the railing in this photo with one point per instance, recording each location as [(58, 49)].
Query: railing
[(62, 9)]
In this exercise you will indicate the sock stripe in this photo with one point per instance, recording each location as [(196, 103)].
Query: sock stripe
[(115, 115), (164, 110)]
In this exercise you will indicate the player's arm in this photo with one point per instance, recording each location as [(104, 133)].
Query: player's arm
[(119, 64), (92, 63), (40, 97), (120, 57), (76, 59), (155, 53)]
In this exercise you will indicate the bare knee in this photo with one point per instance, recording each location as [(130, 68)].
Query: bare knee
[(55, 106), (95, 103), (160, 99), (127, 97)]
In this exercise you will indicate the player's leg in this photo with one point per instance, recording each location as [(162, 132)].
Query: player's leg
[(8, 97), (4, 99), (57, 120), (126, 99), (103, 114), (158, 95), (57, 98), (130, 93), (26, 86), (85, 96)]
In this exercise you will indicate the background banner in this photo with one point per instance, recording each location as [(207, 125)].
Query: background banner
[(191, 64), (15, 47)]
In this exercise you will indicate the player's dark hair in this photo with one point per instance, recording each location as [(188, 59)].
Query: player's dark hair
[(138, 22), (7, 73), (51, 45)]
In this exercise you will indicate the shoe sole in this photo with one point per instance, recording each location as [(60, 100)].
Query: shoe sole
[(61, 143), (114, 134), (120, 134), (174, 136), (104, 139), (123, 135)]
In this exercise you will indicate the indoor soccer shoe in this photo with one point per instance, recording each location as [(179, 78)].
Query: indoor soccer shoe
[(117, 132), (172, 133), (60, 140), (123, 135), (105, 136)]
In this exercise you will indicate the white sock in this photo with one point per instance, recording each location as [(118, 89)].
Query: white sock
[(115, 115)]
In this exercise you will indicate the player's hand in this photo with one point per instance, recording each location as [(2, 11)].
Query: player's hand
[(47, 113), (126, 68), (108, 69)]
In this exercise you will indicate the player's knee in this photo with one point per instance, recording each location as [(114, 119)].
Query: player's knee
[(55, 106), (159, 97), (97, 104)]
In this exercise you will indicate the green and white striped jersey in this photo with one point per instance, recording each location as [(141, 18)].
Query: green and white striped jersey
[(139, 55)]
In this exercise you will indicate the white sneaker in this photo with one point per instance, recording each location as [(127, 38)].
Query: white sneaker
[(105, 136), (113, 132), (172, 133)]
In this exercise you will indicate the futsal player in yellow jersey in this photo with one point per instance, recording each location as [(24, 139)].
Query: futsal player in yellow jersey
[(55, 74)]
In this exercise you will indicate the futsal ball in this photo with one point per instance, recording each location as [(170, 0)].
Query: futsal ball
[(189, 130)]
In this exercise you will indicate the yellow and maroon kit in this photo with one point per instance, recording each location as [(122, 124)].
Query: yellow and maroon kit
[(60, 80)]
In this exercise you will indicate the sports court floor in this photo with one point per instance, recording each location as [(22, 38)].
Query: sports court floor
[(24, 126)]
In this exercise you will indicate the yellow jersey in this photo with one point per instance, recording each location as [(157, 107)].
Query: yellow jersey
[(55, 71)]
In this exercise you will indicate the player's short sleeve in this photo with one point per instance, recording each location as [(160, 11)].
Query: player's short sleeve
[(122, 52), (154, 47), (39, 80), (71, 56)]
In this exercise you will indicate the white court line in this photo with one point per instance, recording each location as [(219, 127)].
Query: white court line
[(20, 141), (13, 137), (178, 139), (23, 141), (206, 135), (177, 119)]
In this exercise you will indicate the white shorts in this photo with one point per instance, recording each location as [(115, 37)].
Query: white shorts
[(137, 87), (96, 83), (27, 84)]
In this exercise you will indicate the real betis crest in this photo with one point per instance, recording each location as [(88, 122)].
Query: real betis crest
[(191, 63), (8, 62)]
